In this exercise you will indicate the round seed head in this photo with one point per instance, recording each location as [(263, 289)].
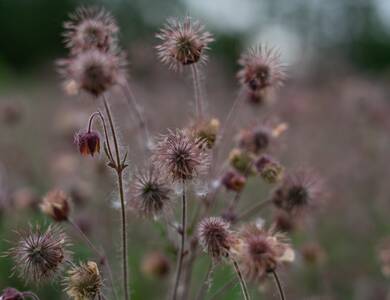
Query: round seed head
[(56, 204), (183, 42)]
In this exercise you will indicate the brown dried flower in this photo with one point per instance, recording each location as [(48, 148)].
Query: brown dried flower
[(56, 204), (90, 28), (261, 68), (150, 194), (260, 251), (206, 130), (155, 264), (183, 42), (40, 255), (84, 281), (270, 169), (215, 237), (88, 142), (181, 156), (241, 161), (233, 181)]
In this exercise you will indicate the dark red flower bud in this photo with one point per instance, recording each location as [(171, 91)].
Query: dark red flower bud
[(88, 142), (233, 181)]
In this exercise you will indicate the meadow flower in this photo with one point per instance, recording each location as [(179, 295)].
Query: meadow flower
[(40, 255), (90, 28), (94, 71), (181, 156), (261, 251), (150, 194), (256, 138), (56, 204), (233, 181), (206, 130), (269, 169), (241, 161), (261, 69), (88, 142), (298, 192), (83, 281), (155, 264), (183, 42), (215, 237)]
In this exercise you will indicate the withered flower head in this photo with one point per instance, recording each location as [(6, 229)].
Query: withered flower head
[(256, 138), (183, 42), (215, 237), (56, 204), (261, 68), (260, 251), (206, 130), (241, 161), (90, 28), (181, 156), (40, 255), (233, 181), (270, 169), (298, 191), (155, 264), (88, 142), (84, 281), (150, 194), (93, 71)]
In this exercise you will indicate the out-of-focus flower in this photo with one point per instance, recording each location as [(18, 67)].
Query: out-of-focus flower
[(270, 170), (56, 204), (283, 221), (234, 181), (40, 255), (206, 130), (88, 142), (181, 156), (10, 113), (313, 253), (215, 237), (384, 256), (84, 281), (94, 71), (183, 42), (11, 294), (241, 161), (90, 28), (299, 191), (24, 198), (150, 194), (155, 264), (261, 68), (261, 251)]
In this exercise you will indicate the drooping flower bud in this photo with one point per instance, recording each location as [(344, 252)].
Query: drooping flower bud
[(56, 204), (88, 142)]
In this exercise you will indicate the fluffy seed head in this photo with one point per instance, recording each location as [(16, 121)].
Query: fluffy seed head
[(183, 42), (261, 68), (93, 71), (84, 281), (90, 28), (298, 192), (40, 255), (150, 194), (181, 156), (260, 251), (155, 264), (215, 237), (88, 142), (56, 204)]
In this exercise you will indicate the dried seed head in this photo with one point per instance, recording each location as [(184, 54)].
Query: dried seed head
[(40, 255), (215, 237), (183, 42), (241, 161), (88, 142), (150, 194), (256, 138), (298, 192), (84, 281), (11, 294), (206, 130), (56, 204), (270, 170), (155, 264), (93, 71), (233, 181), (260, 251), (181, 156), (261, 69), (90, 28)]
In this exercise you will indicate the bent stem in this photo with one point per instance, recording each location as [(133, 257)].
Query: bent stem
[(244, 288), (279, 285), (182, 244), (197, 91), (230, 284), (119, 167)]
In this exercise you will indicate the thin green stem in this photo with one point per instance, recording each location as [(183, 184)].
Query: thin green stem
[(279, 285), (206, 282), (244, 288), (119, 171), (182, 244)]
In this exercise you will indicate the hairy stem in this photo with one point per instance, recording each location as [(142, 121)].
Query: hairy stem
[(182, 244), (205, 283), (230, 284), (119, 171), (279, 285), (102, 258), (197, 91), (244, 288)]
